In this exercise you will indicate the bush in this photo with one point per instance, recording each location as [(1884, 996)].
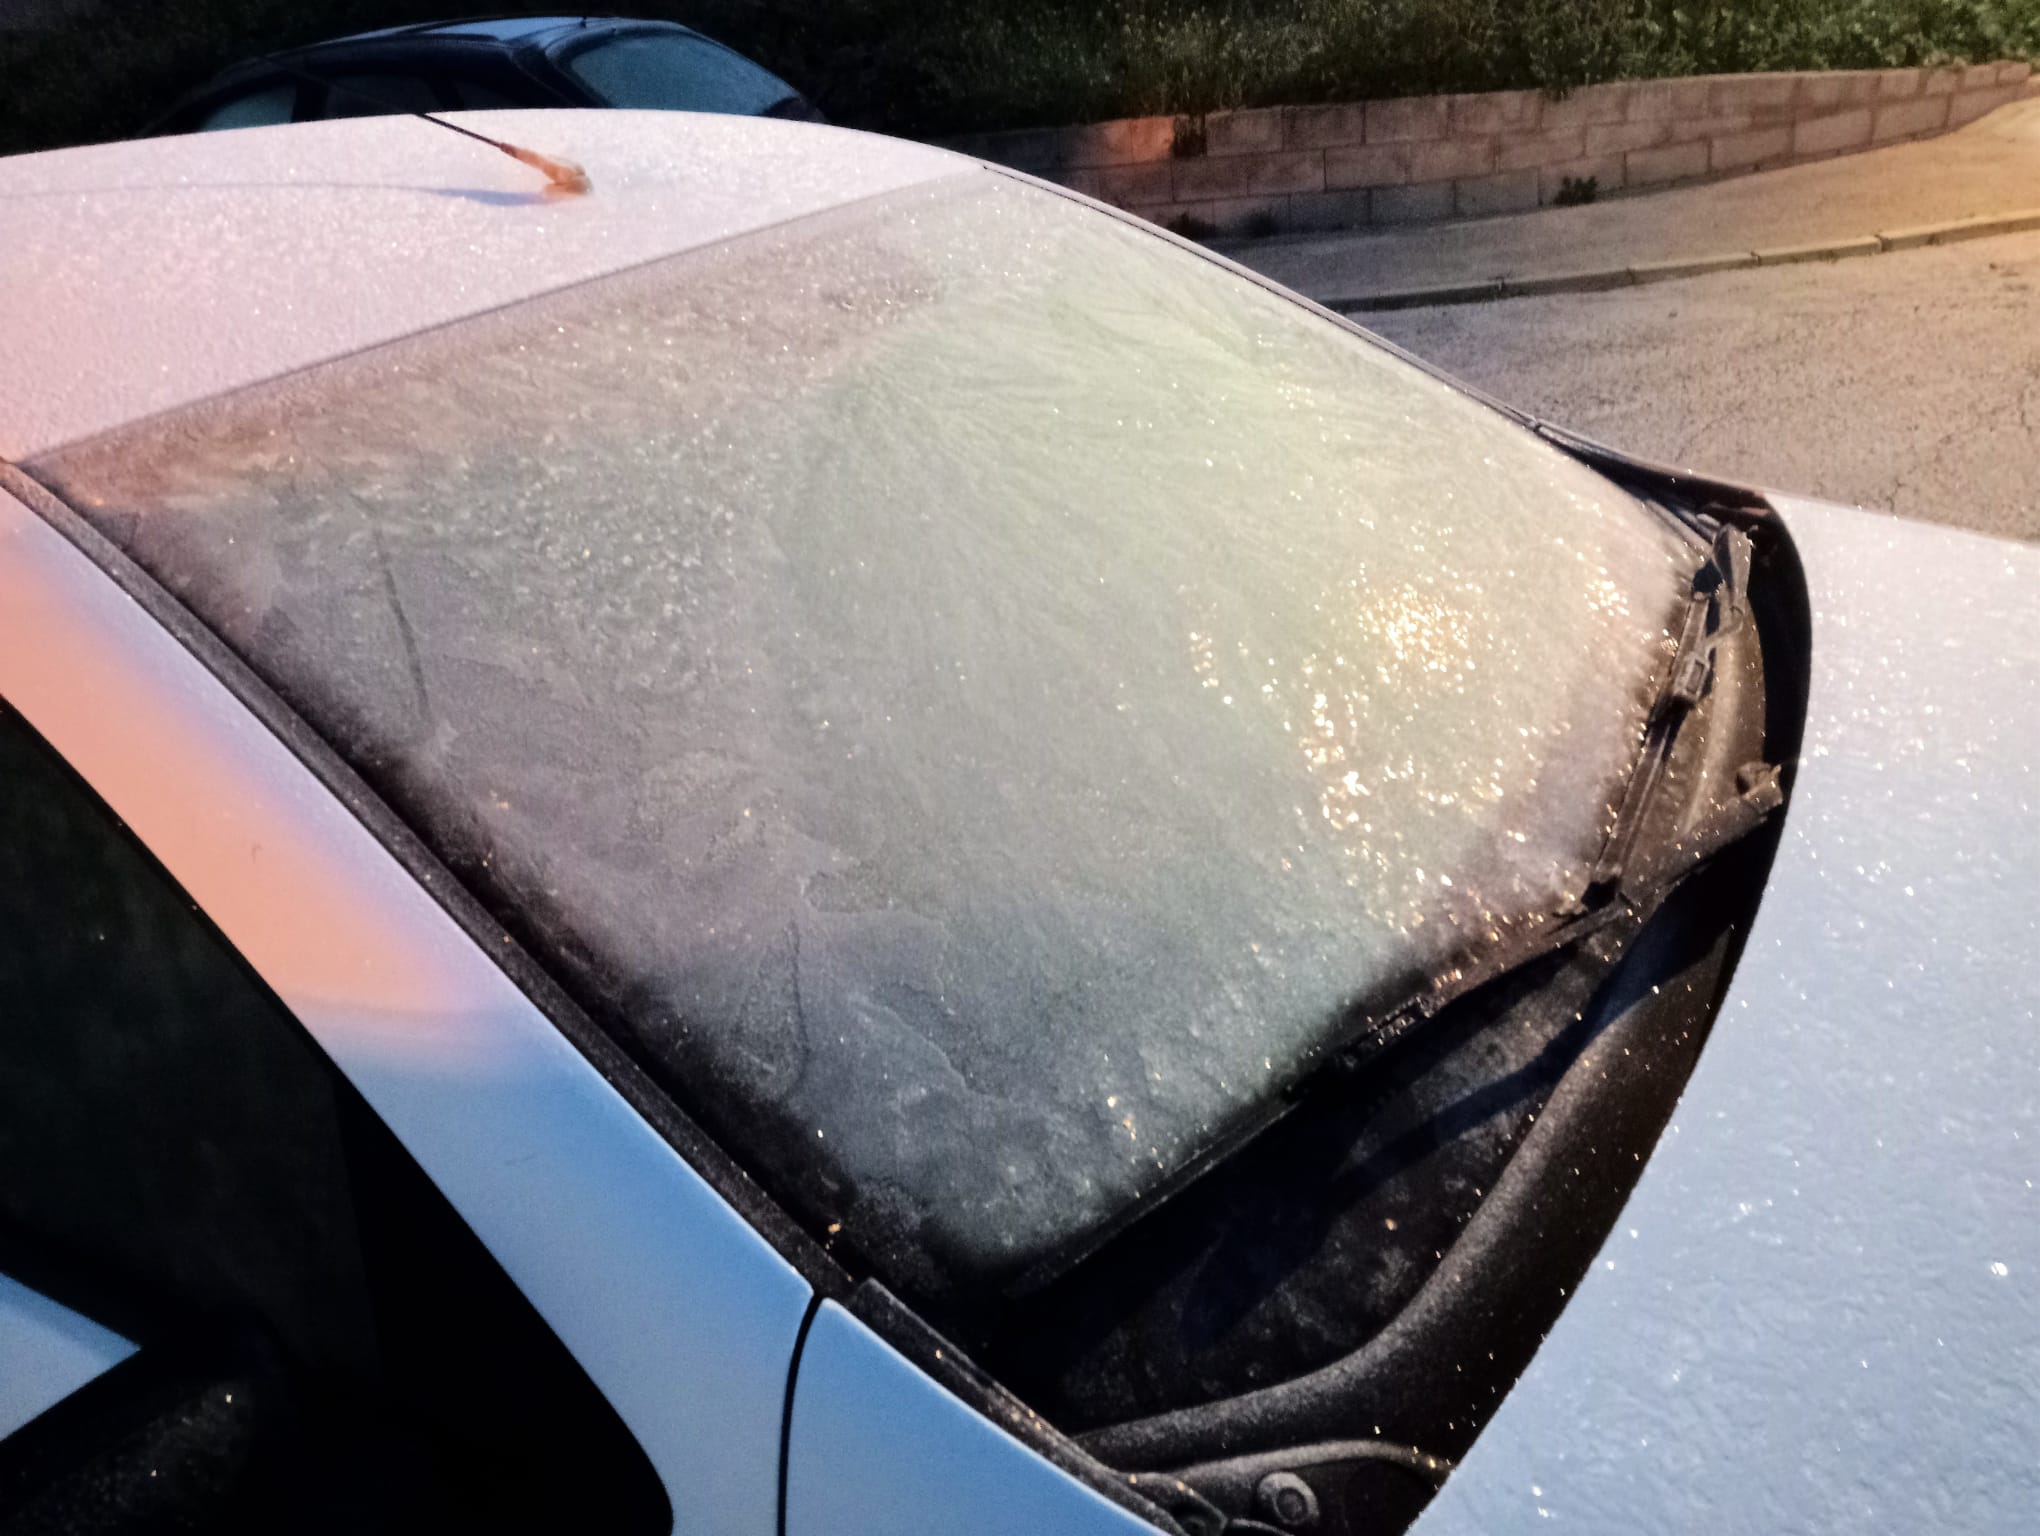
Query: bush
[(934, 67)]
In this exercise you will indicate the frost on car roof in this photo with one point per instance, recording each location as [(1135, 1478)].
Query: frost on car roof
[(970, 693), (142, 276)]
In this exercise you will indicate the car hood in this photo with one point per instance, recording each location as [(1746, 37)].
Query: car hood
[(1821, 1308)]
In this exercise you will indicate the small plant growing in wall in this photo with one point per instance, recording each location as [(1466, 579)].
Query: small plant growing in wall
[(1575, 190), (1188, 142)]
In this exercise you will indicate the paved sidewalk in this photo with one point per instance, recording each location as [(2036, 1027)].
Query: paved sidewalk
[(1979, 178)]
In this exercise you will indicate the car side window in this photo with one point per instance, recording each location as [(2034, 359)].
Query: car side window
[(378, 95), (477, 95), (256, 109), (323, 1344)]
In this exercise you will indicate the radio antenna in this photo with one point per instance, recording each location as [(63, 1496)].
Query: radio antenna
[(564, 175)]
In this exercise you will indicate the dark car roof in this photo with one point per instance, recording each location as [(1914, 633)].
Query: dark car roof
[(501, 36), (501, 29), (506, 31)]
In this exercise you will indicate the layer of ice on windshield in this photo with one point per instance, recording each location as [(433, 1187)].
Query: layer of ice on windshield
[(971, 693)]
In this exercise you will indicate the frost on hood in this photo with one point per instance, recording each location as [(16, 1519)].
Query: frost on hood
[(973, 694)]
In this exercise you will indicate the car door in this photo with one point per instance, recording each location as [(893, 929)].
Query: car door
[(292, 1328), (307, 1192)]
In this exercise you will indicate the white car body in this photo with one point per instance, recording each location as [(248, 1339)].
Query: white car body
[(1816, 1312)]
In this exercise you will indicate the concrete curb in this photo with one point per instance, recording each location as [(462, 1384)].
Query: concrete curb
[(1601, 278)]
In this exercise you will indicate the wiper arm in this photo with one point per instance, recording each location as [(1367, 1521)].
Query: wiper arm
[(1717, 608), (1616, 891)]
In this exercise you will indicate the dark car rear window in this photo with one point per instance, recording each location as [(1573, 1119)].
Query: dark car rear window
[(975, 696), (678, 72)]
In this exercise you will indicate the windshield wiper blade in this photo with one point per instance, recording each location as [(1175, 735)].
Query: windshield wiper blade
[(1717, 608)]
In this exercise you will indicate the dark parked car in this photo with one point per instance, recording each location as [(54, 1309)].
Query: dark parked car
[(483, 64)]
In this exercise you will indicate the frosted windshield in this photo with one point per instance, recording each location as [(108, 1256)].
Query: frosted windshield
[(976, 697)]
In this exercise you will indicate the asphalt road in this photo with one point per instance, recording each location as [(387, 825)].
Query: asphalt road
[(1909, 381)]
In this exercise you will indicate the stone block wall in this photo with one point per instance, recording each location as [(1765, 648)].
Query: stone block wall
[(1272, 170)]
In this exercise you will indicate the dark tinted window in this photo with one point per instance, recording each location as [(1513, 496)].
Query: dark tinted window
[(673, 71), (324, 1344), (477, 95), (257, 109), (379, 95)]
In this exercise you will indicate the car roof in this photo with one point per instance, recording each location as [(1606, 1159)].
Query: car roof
[(504, 29), (149, 274)]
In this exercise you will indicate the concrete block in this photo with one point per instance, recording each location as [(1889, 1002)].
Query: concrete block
[(1127, 185), (1951, 230), (1255, 131), (1228, 176), (1899, 84), (1451, 159), (1819, 250), (1229, 216), (1713, 126), (1490, 112), (1605, 171), (1741, 151), (1411, 205), (1595, 280), (1690, 266), (1516, 154), (1751, 93), (1330, 210), (1248, 215), (1982, 224), (2014, 72), (1588, 105), (1902, 119), (1420, 298), (1124, 141), (1406, 118), (1837, 89), (1836, 130), (1977, 76), (1615, 138), (1324, 127), (1367, 165), (1085, 182), (1945, 81), (1968, 106), (1651, 100), (1510, 192), (1908, 238), (1672, 162)]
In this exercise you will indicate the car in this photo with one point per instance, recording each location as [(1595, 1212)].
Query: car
[(489, 64), (829, 841)]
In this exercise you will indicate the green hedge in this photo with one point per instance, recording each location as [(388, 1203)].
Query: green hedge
[(930, 67)]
